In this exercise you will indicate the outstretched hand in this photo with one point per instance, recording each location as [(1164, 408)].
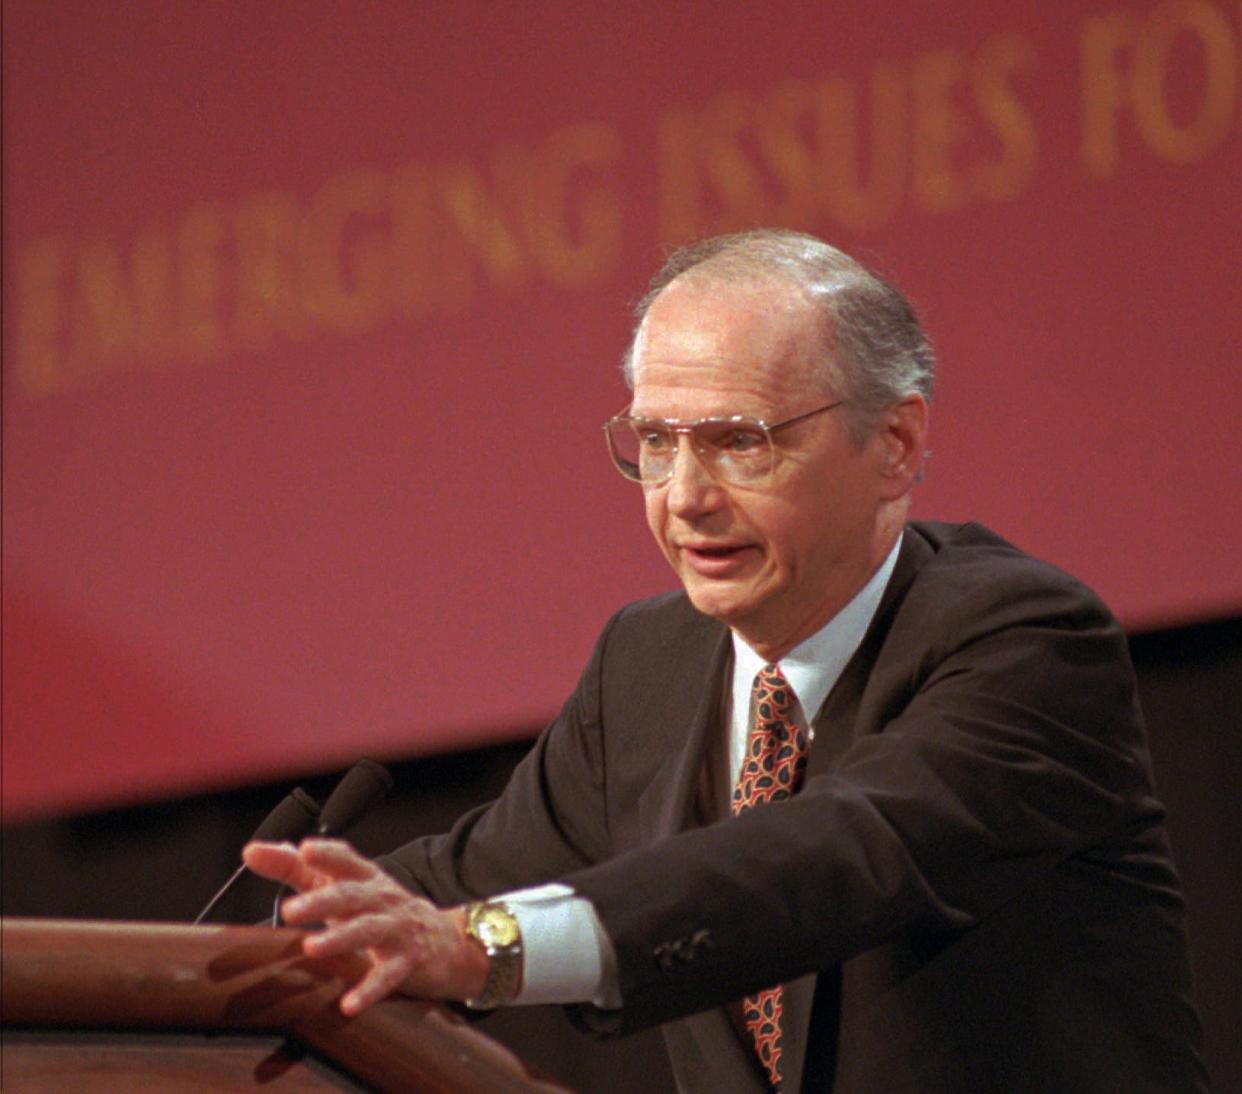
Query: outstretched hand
[(409, 944)]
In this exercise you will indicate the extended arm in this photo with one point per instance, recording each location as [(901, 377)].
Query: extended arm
[(410, 944)]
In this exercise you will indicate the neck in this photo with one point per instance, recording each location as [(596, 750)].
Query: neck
[(772, 645)]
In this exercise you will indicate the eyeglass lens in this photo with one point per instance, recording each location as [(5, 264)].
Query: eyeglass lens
[(732, 450)]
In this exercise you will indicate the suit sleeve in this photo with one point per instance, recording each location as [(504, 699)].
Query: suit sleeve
[(1008, 742), (550, 820)]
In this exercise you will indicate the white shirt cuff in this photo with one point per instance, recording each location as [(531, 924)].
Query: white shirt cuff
[(566, 955)]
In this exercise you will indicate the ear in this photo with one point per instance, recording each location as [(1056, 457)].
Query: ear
[(903, 439)]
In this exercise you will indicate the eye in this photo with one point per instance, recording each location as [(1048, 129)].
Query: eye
[(741, 442), (651, 440)]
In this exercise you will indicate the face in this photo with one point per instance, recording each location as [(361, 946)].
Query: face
[(774, 563)]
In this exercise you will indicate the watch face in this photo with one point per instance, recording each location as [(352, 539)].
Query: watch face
[(496, 927)]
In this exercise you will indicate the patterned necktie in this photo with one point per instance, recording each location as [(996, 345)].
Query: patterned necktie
[(776, 755)]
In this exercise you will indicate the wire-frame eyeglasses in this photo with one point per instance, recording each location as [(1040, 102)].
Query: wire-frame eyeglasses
[(738, 450)]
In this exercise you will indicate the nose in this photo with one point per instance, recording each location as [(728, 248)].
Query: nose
[(692, 492)]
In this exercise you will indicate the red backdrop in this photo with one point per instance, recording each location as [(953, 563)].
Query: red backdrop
[(312, 313)]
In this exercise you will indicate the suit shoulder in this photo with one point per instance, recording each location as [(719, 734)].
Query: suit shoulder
[(972, 571), (670, 617), (657, 642)]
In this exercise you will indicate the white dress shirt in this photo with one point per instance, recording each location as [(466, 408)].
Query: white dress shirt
[(567, 956)]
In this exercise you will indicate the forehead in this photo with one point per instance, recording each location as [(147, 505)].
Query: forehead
[(710, 349)]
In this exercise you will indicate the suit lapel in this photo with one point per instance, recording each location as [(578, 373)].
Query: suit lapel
[(666, 806), (834, 724), (707, 1053)]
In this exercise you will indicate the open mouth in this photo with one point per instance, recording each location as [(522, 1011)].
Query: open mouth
[(715, 552), (715, 561)]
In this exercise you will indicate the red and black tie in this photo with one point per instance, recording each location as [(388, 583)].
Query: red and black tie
[(775, 763)]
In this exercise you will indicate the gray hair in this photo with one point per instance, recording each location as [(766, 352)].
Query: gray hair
[(876, 352)]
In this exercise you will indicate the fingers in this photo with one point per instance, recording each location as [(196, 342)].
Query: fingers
[(348, 885), (388, 931), (339, 899), (383, 979), (337, 859), (279, 862), (314, 862), (417, 948), (405, 940), (412, 946), (389, 949)]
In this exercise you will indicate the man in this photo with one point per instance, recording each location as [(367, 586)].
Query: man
[(867, 807)]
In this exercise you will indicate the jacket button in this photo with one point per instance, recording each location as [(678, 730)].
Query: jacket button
[(664, 956)]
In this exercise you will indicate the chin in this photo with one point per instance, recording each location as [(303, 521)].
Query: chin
[(717, 603)]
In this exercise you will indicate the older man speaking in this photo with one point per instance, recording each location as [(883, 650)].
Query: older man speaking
[(866, 807)]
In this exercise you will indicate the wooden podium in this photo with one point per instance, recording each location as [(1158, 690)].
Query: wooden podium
[(93, 1006)]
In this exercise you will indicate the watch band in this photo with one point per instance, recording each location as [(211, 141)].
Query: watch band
[(495, 928)]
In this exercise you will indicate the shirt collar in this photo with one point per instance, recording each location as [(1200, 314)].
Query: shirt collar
[(813, 666)]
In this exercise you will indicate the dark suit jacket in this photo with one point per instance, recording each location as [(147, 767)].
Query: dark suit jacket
[(972, 892)]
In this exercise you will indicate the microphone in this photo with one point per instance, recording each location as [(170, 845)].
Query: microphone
[(362, 787), (290, 820)]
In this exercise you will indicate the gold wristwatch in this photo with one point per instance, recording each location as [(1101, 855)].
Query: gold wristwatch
[(493, 926)]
